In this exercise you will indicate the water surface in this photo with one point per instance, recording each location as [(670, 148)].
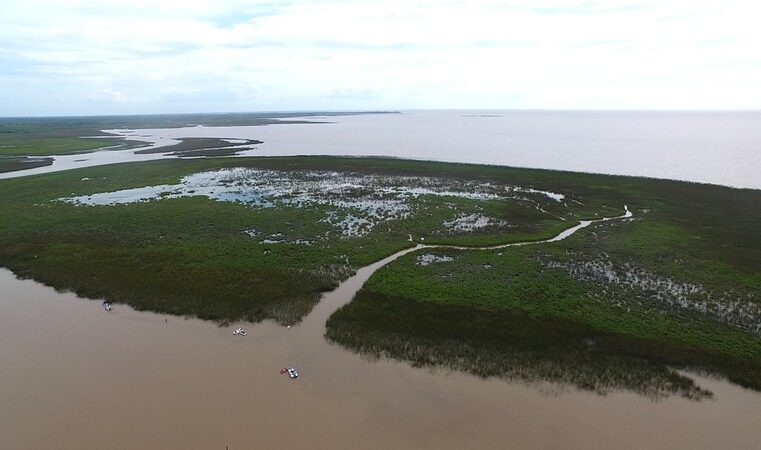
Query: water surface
[(75, 376), (701, 146), (708, 147)]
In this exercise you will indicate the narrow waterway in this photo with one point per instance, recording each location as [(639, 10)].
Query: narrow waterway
[(97, 158), (77, 377), (313, 326)]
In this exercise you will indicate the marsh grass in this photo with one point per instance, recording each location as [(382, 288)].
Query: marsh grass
[(194, 147), (667, 256), (13, 163), (191, 256), (504, 344)]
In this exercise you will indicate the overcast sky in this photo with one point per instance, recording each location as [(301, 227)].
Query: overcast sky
[(149, 56)]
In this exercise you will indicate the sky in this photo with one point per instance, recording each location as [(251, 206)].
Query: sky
[(75, 57)]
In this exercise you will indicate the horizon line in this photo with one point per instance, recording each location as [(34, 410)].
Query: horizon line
[(386, 111)]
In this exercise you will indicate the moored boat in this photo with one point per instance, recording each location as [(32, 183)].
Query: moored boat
[(290, 371)]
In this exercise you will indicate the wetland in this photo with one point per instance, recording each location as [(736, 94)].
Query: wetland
[(413, 296)]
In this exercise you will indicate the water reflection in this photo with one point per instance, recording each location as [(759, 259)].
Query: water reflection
[(503, 345)]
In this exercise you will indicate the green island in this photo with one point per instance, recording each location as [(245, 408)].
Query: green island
[(621, 304), (14, 163)]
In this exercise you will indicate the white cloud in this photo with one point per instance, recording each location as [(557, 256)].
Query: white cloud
[(115, 96), (164, 56)]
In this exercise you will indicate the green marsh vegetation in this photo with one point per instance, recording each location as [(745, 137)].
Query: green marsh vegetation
[(13, 163), (194, 147), (217, 260), (34, 137), (619, 305)]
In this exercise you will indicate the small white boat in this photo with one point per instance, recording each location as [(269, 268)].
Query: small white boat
[(240, 332), (107, 306), (290, 371)]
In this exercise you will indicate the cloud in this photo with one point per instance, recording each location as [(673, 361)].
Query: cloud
[(171, 56), (115, 96)]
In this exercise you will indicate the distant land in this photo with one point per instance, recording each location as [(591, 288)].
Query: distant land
[(717, 147)]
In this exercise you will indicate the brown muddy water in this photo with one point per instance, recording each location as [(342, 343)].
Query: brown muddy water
[(73, 376)]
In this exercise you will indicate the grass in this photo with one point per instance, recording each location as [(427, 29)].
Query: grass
[(537, 309), (492, 313), (190, 255), (192, 147), (34, 146), (13, 163), (503, 342)]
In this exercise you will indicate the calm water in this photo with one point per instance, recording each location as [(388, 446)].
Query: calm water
[(709, 147)]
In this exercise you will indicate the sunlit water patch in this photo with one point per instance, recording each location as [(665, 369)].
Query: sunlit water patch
[(552, 195), (430, 258), (252, 232), (473, 222)]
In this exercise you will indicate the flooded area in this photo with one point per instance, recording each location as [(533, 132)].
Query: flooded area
[(356, 202), (76, 376)]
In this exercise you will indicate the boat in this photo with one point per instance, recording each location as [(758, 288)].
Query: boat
[(240, 332), (290, 371), (107, 306)]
